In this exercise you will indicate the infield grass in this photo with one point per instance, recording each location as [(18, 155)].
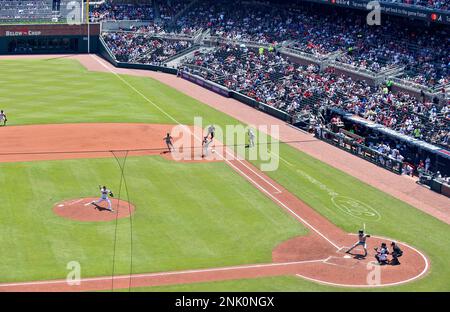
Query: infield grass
[(62, 91)]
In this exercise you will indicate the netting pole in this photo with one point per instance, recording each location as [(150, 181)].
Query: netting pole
[(88, 26)]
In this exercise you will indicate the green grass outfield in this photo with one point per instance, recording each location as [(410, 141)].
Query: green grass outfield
[(62, 91)]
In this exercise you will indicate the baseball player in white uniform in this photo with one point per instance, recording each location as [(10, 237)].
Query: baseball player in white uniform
[(251, 137), (105, 193), (3, 117), (205, 145)]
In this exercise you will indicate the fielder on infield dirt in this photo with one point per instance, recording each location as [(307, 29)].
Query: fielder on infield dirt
[(105, 193), (205, 146), (362, 237), (169, 142)]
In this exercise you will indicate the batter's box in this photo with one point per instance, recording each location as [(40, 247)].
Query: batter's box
[(340, 261), (342, 250)]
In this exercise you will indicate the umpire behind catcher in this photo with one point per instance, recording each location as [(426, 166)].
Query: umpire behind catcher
[(396, 253)]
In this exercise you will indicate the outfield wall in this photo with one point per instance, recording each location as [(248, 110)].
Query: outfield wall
[(48, 38)]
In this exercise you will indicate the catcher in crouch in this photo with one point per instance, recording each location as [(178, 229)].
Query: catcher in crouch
[(362, 237), (105, 193)]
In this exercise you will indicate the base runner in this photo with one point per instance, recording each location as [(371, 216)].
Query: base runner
[(362, 237), (105, 193)]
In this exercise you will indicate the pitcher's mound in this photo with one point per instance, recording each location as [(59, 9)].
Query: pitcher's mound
[(81, 209)]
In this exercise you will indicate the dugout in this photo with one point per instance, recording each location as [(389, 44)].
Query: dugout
[(49, 38)]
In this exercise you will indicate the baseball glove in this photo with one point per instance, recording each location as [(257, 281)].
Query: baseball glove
[(111, 194)]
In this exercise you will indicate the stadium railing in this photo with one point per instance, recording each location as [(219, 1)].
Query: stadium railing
[(350, 145)]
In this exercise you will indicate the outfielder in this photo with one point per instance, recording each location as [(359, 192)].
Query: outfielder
[(3, 117), (104, 197), (362, 237)]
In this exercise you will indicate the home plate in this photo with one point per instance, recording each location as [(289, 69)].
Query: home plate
[(60, 205), (347, 256)]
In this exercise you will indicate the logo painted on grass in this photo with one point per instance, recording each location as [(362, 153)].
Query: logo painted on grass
[(74, 276), (356, 208), (373, 278), (348, 205)]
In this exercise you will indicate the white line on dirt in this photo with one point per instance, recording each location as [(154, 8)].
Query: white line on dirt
[(107, 278), (376, 285)]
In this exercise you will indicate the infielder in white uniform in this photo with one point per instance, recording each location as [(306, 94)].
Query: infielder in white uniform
[(105, 193), (205, 145), (3, 117), (251, 138)]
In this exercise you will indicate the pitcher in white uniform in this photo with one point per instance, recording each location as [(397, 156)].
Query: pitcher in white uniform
[(105, 193)]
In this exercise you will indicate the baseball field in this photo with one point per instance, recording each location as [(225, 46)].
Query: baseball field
[(195, 225)]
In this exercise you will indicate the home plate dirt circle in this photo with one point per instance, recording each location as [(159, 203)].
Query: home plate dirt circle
[(337, 268), (81, 209)]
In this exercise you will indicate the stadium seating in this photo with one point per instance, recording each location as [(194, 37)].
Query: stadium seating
[(30, 10), (143, 48), (430, 4)]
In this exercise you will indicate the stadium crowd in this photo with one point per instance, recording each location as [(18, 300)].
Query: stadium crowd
[(431, 4), (270, 78), (143, 48), (423, 54), (114, 11), (15, 10)]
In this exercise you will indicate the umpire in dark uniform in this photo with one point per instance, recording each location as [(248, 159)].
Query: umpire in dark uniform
[(396, 253)]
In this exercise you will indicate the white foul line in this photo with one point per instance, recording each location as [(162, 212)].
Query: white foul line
[(145, 275)]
